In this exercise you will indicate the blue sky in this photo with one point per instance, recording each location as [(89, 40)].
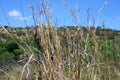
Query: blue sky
[(110, 12)]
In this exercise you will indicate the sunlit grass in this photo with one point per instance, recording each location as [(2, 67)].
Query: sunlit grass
[(68, 53)]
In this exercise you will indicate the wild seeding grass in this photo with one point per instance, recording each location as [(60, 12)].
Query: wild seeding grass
[(68, 53)]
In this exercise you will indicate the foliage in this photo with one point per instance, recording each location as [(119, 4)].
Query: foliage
[(11, 46), (20, 33), (6, 57), (17, 53)]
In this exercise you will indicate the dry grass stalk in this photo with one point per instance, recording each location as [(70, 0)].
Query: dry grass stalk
[(8, 75), (71, 61), (26, 65)]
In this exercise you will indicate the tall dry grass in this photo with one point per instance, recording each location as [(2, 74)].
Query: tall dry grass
[(68, 53)]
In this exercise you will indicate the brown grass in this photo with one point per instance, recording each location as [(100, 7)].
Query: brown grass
[(65, 58)]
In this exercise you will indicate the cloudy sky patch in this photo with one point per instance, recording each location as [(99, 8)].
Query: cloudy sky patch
[(17, 15), (14, 13)]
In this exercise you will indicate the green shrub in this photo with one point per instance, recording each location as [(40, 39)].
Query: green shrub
[(2, 50), (20, 33), (17, 53), (11, 46), (6, 57)]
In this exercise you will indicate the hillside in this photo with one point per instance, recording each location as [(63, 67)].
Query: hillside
[(100, 32), (61, 49)]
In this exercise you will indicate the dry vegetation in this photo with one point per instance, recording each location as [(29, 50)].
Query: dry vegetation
[(66, 53)]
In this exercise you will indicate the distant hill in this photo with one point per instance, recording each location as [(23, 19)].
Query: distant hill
[(100, 32)]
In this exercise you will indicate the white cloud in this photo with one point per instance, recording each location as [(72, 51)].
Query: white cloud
[(14, 13), (17, 15)]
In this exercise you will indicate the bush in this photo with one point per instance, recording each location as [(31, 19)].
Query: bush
[(2, 47), (11, 46), (17, 53), (2, 50), (6, 57), (20, 33)]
